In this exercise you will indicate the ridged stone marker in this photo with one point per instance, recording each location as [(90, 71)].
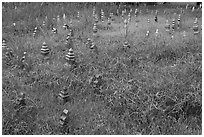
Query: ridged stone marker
[(4, 43), (167, 26), (54, 30), (35, 31), (173, 25), (64, 118), (179, 21), (89, 43), (65, 26), (195, 27), (95, 31), (70, 58), (44, 49), (147, 33), (23, 59), (7, 52), (21, 99), (126, 29), (63, 96), (156, 18), (94, 48), (126, 45)]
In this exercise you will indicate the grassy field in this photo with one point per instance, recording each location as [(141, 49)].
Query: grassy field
[(152, 88)]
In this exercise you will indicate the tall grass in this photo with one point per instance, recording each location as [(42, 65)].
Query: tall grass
[(152, 88)]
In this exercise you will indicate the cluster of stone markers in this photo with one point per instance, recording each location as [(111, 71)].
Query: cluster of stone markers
[(70, 57)]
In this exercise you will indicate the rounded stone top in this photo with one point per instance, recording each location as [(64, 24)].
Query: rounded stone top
[(22, 95), (4, 41), (196, 20), (64, 88), (70, 50), (44, 43), (65, 111), (125, 43), (125, 21)]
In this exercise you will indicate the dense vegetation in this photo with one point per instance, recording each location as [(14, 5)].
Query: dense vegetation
[(154, 87)]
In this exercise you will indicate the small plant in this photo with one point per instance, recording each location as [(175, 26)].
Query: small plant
[(96, 81)]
